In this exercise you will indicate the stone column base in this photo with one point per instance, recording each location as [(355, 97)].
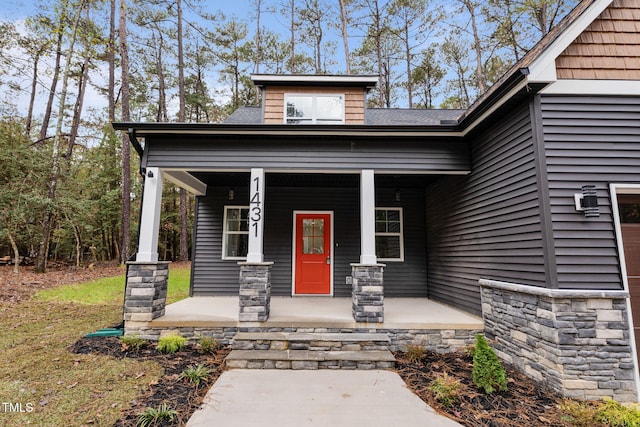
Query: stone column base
[(146, 292), (255, 291), (575, 341), (368, 293)]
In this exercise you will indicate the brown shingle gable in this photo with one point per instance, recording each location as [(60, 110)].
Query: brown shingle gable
[(609, 49)]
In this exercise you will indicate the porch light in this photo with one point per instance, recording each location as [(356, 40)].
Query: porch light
[(587, 201), (397, 195), (232, 194)]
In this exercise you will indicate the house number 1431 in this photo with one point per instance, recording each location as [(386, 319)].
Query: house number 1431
[(256, 210)]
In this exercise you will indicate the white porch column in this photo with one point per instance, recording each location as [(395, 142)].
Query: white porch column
[(367, 218), (150, 221), (256, 216)]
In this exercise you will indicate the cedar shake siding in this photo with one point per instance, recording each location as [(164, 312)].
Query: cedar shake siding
[(608, 48), (354, 98), (487, 224), (588, 140), (214, 276)]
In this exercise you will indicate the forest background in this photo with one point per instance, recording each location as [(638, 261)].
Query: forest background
[(69, 68)]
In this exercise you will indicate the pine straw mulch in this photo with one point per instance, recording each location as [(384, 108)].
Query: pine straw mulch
[(525, 403), (178, 394)]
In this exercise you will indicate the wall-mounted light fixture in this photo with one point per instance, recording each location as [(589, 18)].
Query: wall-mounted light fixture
[(397, 195), (232, 194), (587, 201)]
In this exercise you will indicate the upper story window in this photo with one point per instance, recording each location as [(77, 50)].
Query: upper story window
[(314, 109)]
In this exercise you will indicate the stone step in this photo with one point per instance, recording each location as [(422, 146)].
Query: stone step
[(316, 341), (310, 359)]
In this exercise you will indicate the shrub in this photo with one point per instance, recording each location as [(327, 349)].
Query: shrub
[(195, 374), (156, 416), (414, 353), (131, 343), (446, 389), (578, 414), (171, 343), (207, 345), (488, 373), (613, 414)]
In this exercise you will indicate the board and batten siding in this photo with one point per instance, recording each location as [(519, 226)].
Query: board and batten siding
[(334, 153), (487, 224), (214, 276), (588, 140)]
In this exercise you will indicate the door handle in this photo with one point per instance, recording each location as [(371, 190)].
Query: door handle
[(328, 260)]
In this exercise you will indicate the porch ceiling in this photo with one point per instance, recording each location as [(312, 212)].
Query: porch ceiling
[(237, 179)]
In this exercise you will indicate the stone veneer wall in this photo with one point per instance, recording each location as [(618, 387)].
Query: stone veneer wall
[(255, 291), (440, 340), (368, 293), (577, 342), (146, 292)]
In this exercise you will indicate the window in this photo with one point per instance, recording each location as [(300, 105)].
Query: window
[(314, 109), (389, 241), (235, 235)]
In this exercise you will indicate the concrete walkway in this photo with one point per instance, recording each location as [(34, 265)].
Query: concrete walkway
[(284, 398)]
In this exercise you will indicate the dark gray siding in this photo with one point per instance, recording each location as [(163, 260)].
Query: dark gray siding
[(487, 224), (588, 140), (213, 276), (328, 154)]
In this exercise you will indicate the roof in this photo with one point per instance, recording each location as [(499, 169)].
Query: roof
[(368, 81), (373, 116)]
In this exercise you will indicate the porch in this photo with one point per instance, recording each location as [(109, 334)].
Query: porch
[(406, 321)]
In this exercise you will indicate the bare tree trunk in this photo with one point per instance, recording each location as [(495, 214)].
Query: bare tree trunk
[(32, 99), (181, 91), (162, 95), (477, 46), (16, 253), (184, 249), (54, 84), (126, 149), (77, 111), (381, 79), (345, 39), (293, 36), (407, 50), (184, 245), (111, 59)]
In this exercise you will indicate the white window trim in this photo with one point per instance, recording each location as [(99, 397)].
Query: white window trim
[(314, 96), (400, 234), (225, 232)]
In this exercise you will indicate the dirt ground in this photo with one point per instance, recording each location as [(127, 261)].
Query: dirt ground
[(18, 287)]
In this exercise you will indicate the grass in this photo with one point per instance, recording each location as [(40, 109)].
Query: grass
[(111, 289), (64, 388)]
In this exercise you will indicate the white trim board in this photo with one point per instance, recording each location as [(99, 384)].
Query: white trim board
[(616, 189), (593, 87)]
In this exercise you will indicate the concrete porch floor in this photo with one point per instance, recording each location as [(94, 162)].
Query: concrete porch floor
[(317, 312)]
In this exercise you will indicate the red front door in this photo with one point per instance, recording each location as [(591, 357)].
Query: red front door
[(313, 254)]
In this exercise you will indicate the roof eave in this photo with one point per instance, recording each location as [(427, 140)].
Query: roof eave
[(147, 129)]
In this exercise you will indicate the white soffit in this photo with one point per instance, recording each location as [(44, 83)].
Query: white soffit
[(187, 181)]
